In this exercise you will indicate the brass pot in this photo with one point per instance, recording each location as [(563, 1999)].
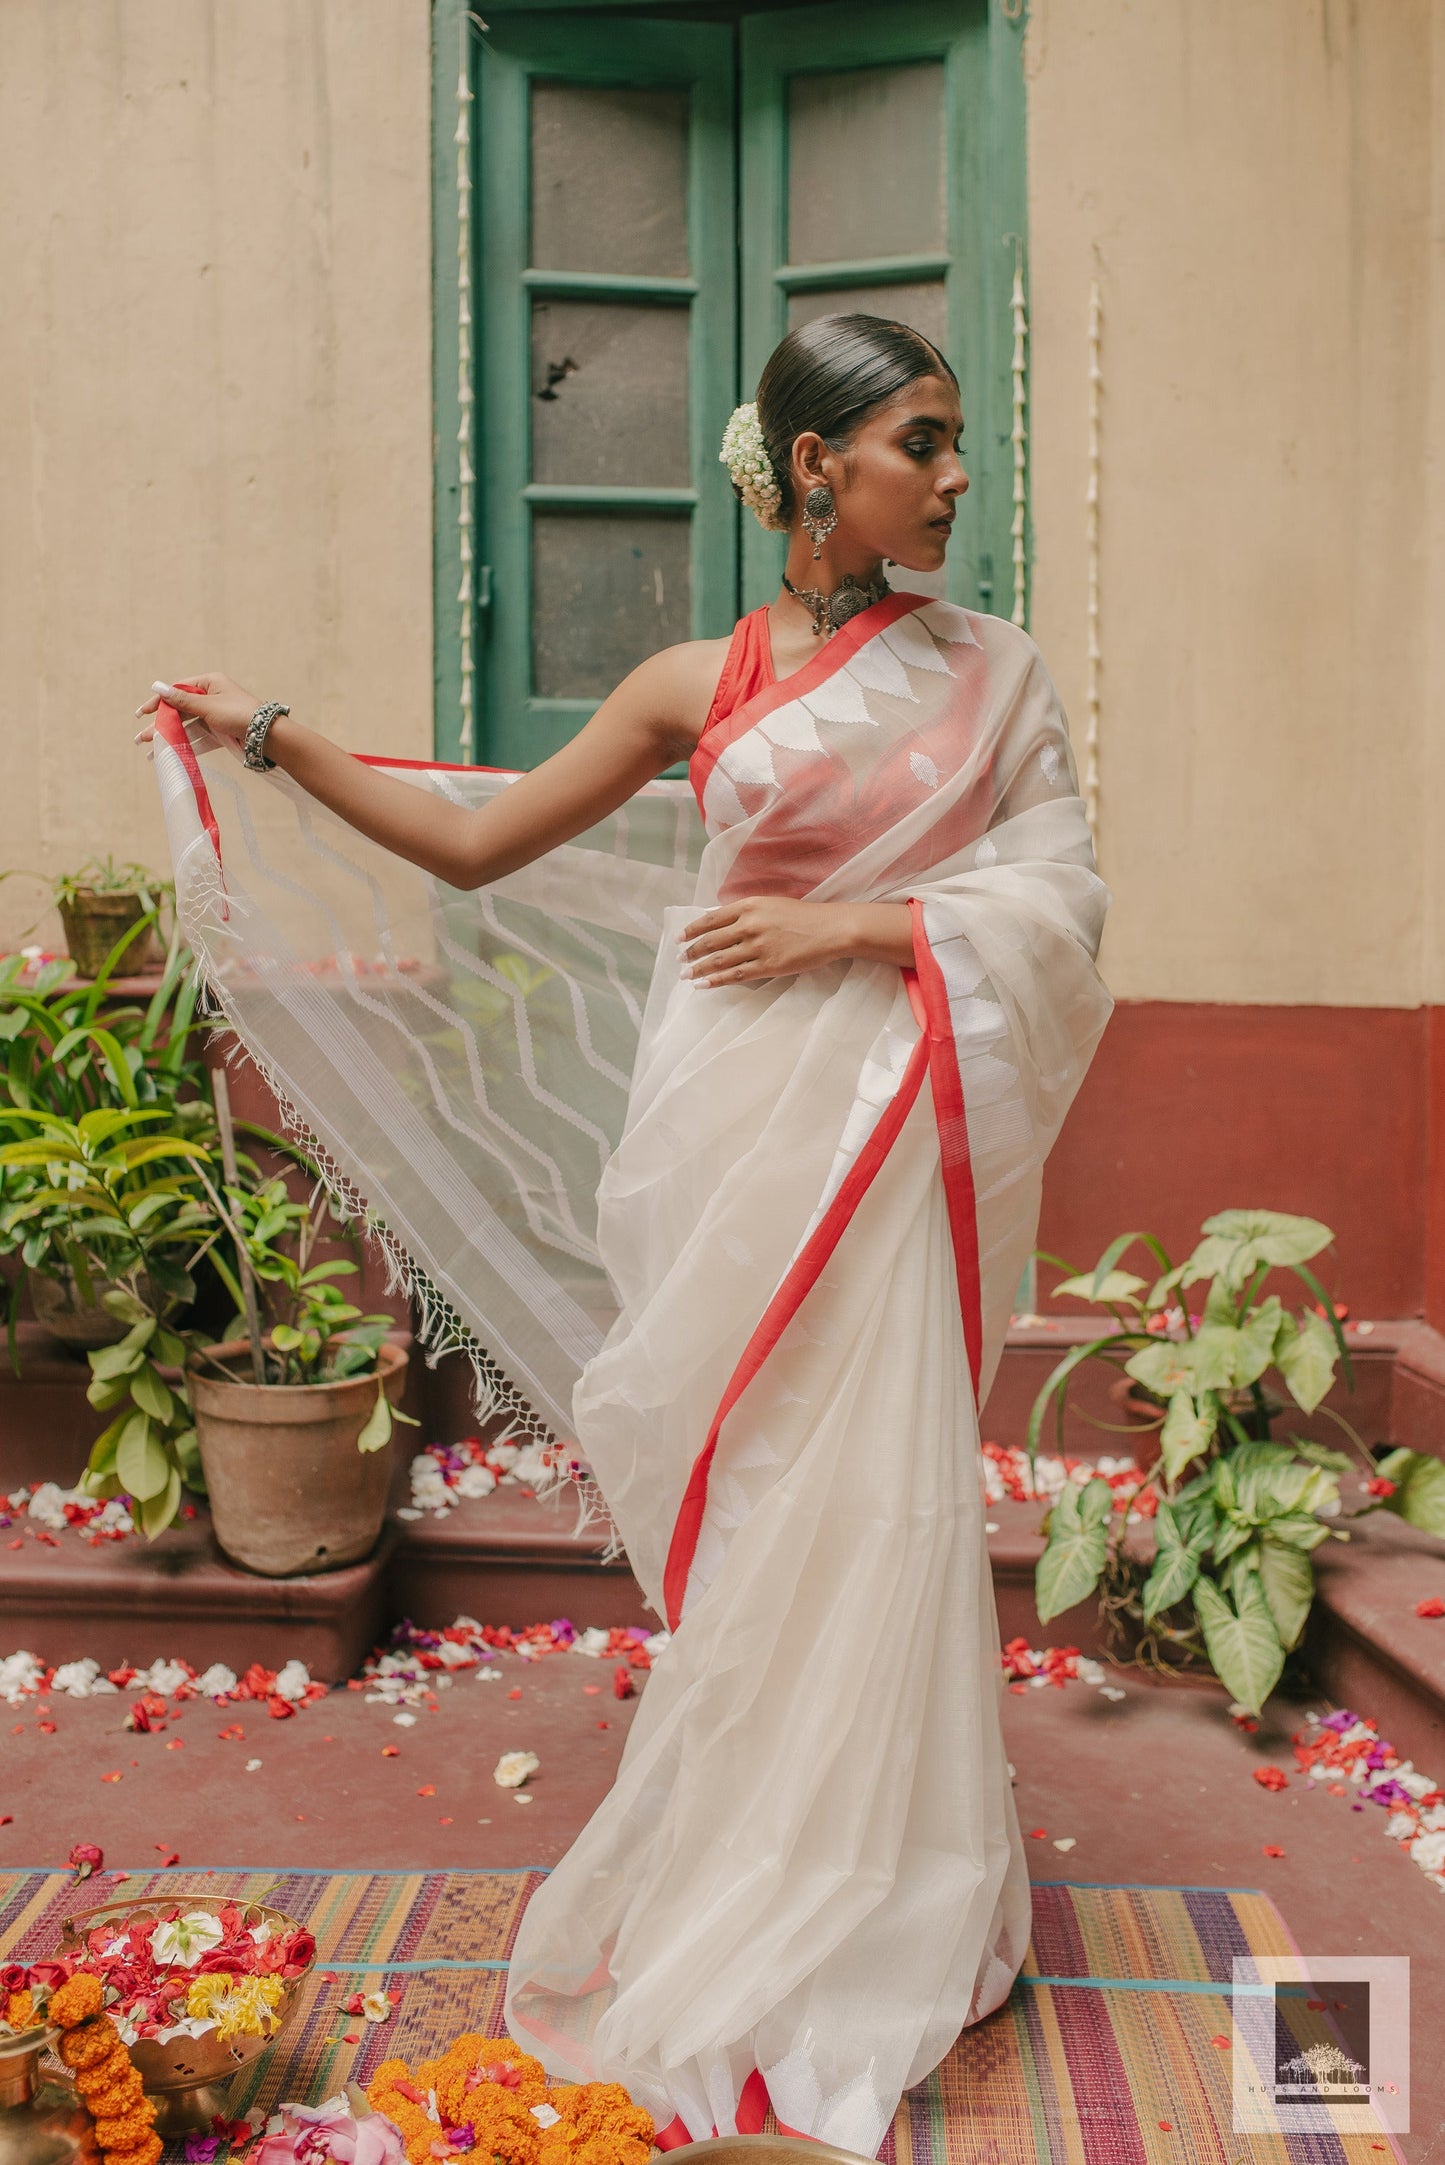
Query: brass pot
[(768, 2150), (42, 2120), (289, 1491), (187, 2078)]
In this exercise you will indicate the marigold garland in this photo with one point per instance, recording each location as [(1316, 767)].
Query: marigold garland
[(105, 2075), (478, 2096)]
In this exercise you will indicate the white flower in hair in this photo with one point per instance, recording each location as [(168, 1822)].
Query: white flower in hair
[(745, 456)]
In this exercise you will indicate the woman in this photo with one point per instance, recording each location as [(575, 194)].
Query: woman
[(807, 1878)]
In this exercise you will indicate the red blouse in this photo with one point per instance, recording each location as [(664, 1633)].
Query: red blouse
[(747, 668)]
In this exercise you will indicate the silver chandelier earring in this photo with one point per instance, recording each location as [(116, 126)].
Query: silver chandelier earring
[(820, 516)]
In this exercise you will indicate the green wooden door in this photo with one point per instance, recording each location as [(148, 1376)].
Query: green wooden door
[(871, 181), (608, 350)]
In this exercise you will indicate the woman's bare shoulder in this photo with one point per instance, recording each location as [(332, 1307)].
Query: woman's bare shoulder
[(677, 684)]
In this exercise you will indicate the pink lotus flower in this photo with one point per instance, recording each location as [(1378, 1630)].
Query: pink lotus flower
[(329, 2134)]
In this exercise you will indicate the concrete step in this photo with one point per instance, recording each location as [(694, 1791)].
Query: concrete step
[(179, 1598)]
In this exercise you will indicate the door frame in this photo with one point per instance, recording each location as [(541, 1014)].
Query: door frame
[(997, 150)]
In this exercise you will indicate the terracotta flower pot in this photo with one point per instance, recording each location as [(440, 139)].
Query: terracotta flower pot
[(73, 1321), (290, 1493), (95, 920)]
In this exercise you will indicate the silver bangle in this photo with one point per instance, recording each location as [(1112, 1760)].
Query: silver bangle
[(254, 753)]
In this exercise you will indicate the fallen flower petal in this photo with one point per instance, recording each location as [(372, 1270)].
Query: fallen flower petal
[(1271, 1777), (428, 1789), (1222, 2042), (622, 1684), (514, 1768), (391, 1751), (1038, 1834), (1432, 1606), (1066, 1841), (1272, 1849), (86, 1858)]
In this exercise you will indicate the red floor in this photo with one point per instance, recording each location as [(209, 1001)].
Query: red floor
[(1154, 1788)]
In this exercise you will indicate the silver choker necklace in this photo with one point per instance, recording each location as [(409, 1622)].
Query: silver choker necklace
[(830, 612)]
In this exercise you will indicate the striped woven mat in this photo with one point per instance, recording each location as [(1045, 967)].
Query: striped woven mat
[(1105, 2054)]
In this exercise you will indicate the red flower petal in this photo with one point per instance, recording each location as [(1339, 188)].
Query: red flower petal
[(1272, 1849)]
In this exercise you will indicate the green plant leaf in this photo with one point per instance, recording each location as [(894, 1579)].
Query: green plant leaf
[(156, 1512), (100, 1466), (1078, 1540), (1119, 1285), (141, 1463), (186, 1450), (1238, 1242), (152, 1394), (1176, 1566), (103, 1393), (1165, 1367), (1288, 1579), (1255, 1342), (108, 1361), (1188, 1429), (1305, 1357), (376, 1433), (1241, 1639), (123, 1305), (1419, 1496), (286, 1338)]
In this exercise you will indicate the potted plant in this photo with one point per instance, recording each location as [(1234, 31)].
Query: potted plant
[(100, 903), (286, 1427), (65, 1211), (1238, 1511), (293, 1422)]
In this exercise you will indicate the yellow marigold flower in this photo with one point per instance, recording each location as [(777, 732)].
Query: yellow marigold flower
[(239, 2006), (76, 2000), (20, 2010)]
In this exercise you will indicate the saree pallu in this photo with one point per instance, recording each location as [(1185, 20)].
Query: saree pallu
[(815, 1202)]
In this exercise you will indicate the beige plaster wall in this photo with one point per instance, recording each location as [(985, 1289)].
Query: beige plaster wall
[(216, 414), (1253, 186)]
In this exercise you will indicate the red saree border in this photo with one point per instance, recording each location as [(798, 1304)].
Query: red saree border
[(172, 731), (954, 1153), (839, 649), (752, 2109), (799, 1280)]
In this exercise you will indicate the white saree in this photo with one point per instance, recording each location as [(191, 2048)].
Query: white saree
[(755, 1248)]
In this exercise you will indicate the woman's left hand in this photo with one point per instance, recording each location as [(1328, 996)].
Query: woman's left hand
[(762, 936)]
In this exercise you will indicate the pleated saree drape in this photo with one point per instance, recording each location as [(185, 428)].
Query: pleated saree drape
[(755, 1248)]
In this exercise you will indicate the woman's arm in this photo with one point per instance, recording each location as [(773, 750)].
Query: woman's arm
[(651, 720)]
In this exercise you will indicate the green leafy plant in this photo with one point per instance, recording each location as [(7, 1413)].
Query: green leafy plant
[(103, 876), (316, 1335), (71, 1049), (113, 1198), (1238, 1511)]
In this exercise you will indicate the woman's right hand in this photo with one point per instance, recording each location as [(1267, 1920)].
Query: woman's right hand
[(221, 704)]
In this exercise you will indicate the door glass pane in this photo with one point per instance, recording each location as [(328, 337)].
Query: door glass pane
[(609, 179), (920, 305), (609, 393), (608, 589), (865, 163)]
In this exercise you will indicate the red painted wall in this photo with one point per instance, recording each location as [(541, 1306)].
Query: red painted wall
[(1334, 1112)]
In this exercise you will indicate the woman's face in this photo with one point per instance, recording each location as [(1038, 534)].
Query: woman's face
[(897, 484)]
